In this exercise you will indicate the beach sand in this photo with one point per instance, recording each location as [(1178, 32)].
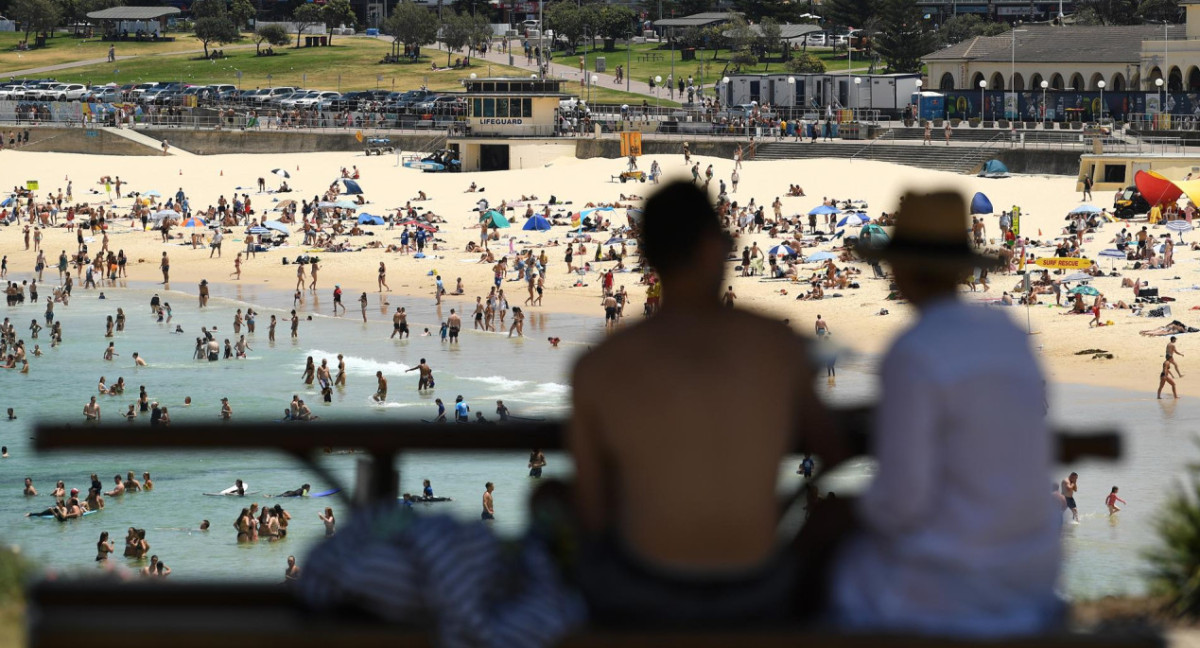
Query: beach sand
[(854, 318)]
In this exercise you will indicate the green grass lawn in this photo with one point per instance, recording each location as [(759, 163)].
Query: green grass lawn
[(351, 63), (705, 67), (64, 48)]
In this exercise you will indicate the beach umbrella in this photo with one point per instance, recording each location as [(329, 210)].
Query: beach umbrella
[(367, 219), (7, 201), (587, 212), (855, 219), (821, 210), (347, 204), (1112, 254), (424, 226), (1078, 276), (351, 186), (164, 213), (278, 226), (284, 204), (536, 222), (195, 222), (1083, 290), (634, 214), (980, 204), (258, 230), (821, 256), (153, 193), (1084, 209), (1156, 188), (1180, 226), (782, 250), (281, 173), (616, 240)]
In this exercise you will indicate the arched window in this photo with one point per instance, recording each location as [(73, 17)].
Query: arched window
[(997, 82), (1094, 84), (1118, 82), (1056, 82), (1035, 82), (1193, 78), (978, 76), (1175, 80), (1077, 82), (1018, 83), (947, 82)]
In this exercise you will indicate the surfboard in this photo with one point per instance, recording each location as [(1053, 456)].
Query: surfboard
[(232, 491), (424, 165), (326, 493), (429, 500), (51, 517), (526, 418)]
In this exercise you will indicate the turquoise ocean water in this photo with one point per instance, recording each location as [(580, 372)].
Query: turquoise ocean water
[(532, 378)]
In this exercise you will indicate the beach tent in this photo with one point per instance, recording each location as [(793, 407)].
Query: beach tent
[(980, 204), (367, 219), (634, 214), (498, 219), (821, 210), (1084, 290), (1156, 188), (351, 186), (875, 233), (993, 169), (536, 222), (6, 202)]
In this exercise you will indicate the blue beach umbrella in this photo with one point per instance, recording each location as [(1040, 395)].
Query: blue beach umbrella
[(821, 256), (278, 226), (782, 250), (351, 187), (1112, 254), (854, 219), (6, 202), (821, 210), (368, 219)]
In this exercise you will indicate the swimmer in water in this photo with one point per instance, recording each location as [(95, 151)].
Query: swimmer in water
[(381, 391)]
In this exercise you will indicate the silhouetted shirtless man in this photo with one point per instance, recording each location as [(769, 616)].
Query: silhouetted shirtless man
[(639, 467)]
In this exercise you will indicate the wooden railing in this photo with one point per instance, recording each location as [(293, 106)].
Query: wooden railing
[(181, 615)]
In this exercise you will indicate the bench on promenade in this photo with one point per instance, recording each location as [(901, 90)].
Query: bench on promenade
[(184, 615)]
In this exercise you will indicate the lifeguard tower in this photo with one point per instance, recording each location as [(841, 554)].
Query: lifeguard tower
[(511, 124)]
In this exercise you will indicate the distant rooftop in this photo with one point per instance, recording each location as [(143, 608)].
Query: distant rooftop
[(133, 13), (696, 20), (1051, 44)]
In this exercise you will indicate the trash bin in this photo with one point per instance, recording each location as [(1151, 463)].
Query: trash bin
[(308, 41), (601, 64)]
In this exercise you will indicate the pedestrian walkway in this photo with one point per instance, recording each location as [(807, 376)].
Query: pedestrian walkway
[(146, 140)]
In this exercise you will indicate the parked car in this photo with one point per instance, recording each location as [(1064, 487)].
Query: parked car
[(442, 105), (272, 95), (289, 102), (12, 92), (408, 99), (315, 100)]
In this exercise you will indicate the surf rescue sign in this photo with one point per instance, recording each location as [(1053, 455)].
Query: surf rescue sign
[(1067, 263)]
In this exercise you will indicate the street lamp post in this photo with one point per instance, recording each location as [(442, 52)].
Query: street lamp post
[(857, 98), (725, 83), (1101, 84), (1163, 106), (1012, 72), (792, 92), (982, 87), (1045, 113), (919, 84), (657, 88)]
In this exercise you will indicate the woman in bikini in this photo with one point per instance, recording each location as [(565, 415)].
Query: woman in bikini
[(1164, 379)]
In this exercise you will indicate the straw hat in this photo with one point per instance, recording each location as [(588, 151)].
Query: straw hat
[(932, 228)]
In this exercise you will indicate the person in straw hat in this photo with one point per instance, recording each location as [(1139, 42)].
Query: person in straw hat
[(957, 534)]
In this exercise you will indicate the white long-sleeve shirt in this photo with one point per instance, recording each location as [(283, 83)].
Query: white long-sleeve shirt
[(960, 533)]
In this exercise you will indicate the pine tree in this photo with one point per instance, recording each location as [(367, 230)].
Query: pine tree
[(850, 13), (905, 36)]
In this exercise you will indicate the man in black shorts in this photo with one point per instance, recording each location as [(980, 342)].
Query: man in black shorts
[(455, 323), (1068, 488), (399, 325)]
